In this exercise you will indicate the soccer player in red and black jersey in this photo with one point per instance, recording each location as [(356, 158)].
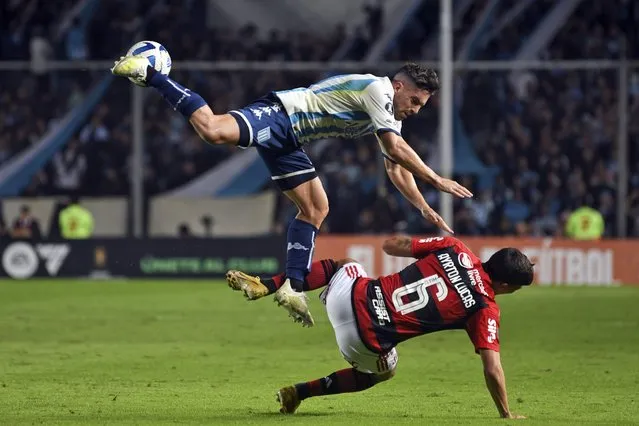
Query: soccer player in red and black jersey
[(446, 288)]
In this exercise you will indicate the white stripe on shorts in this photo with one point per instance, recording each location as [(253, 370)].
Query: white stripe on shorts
[(299, 172)]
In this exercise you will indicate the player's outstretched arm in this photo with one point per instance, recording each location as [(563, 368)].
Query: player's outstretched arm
[(398, 150), (398, 245), (496, 382), (404, 181)]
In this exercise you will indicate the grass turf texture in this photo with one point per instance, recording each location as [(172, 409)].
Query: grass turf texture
[(144, 352)]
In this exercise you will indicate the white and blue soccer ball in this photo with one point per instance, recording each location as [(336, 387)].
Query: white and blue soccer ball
[(155, 53)]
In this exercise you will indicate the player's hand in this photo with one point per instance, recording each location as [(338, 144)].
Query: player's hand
[(433, 217), (452, 187)]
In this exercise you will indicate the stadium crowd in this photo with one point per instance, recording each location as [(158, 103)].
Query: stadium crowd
[(550, 134)]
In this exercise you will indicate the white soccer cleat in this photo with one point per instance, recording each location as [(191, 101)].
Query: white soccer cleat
[(132, 67), (295, 302)]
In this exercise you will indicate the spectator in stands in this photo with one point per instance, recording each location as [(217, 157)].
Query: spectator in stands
[(76, 221), (184, 231), (4, 234), (207, 223), (75, 43), (545, 224), (25, 226), (69, 167), (374, 19), (585, 223), (41, 53)]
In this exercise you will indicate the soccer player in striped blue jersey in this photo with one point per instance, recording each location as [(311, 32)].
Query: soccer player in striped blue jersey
[(280, 124)]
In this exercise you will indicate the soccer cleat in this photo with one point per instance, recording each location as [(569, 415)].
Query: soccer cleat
[(288, 399), (132, 67), (296, 303), (252, 287)]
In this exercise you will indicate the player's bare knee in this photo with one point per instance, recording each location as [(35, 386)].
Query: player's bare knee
[(323, 210), (382, 377), (345, 261), (313, 214)]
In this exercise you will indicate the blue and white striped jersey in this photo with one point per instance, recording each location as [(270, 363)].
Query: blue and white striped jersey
[(346, 106)]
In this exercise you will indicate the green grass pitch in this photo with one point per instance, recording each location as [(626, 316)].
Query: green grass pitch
[(169, 352)]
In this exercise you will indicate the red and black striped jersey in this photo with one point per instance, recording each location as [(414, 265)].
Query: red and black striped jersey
[(446, 288)]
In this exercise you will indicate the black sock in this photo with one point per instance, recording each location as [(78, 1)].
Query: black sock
[(296, 284), (343, 381), (150, 73)]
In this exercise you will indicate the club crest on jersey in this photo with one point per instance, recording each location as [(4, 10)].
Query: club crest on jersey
[(264, 134), (465, 260), (389, 108)]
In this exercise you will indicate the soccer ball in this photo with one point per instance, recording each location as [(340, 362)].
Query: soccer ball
[(155, 53)]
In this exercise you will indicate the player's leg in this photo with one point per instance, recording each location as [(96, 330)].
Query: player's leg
[(214, 129), (256, 287), (295, 175), (347, 380), (368, 368), (312, 204)]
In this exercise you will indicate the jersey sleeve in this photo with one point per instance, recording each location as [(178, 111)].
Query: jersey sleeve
[(483, 328), (421, 247), (378, 103)]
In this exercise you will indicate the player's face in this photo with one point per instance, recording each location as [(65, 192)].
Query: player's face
[(408, 100)]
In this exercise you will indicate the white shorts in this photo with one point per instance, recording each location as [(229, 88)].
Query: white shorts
[(340, 312)]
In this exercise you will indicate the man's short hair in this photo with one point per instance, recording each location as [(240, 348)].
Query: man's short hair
[(424, 78), (510, 266)]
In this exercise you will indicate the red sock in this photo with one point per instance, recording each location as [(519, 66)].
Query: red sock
[(343, 381), (320, 274)]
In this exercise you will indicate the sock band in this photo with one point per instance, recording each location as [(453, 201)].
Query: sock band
[(179, 97)]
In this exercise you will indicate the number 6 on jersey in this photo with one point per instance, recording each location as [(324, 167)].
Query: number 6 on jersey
[(419, 287)]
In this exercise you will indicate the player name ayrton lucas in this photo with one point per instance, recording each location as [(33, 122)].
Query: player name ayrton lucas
[(455, 279)]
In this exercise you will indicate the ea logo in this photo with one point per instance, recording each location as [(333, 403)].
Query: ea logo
[(20, 261), (465, 260)]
